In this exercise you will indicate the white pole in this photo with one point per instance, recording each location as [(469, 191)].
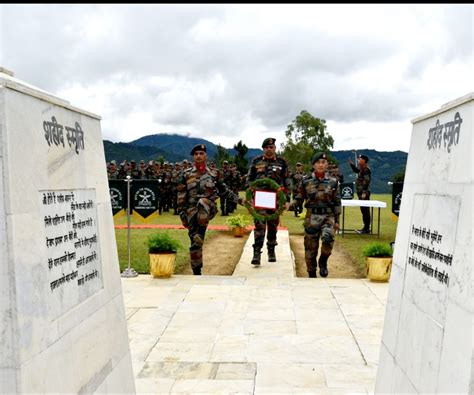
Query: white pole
[(129, 272)]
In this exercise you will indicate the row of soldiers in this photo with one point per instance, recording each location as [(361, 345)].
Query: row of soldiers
[(168, 175)]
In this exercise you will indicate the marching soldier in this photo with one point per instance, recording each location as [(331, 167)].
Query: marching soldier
[(198, 189), (296, 178), (323, 204), (268, 165), (364, 176)]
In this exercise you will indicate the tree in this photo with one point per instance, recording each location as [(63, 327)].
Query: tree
[(221, 155), (399, 176), (239, 159), (305, 136)]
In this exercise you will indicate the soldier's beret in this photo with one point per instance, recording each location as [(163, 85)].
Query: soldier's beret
[(365, 157), (268, 141), (318, 156), (199, 147), (112, 162)]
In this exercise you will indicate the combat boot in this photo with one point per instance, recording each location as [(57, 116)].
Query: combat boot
[(256, 256), (271, 254), (312, 273), (323, 265), (197, 271)]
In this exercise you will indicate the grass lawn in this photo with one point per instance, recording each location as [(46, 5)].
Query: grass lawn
[(139, 259), (352, 243), (355, 243)]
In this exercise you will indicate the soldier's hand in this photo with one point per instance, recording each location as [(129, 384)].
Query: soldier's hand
[(287, 206), (336, 226), (363, 195)]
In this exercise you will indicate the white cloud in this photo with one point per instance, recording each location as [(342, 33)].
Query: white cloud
[(243, 72)]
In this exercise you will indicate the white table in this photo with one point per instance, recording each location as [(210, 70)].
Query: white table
[(362, 203)]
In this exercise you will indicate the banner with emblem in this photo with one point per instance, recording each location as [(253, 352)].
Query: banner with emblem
[(347, 190), (397, 191), (144, 199), (118, 197)]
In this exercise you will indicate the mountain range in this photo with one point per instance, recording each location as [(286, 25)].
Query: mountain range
[(174, 148)]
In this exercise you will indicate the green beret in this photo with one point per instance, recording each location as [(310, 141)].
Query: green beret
[(318, 156), (268, 141), (199, 147)]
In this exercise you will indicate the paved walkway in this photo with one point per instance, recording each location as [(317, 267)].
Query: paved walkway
[(260, 331)]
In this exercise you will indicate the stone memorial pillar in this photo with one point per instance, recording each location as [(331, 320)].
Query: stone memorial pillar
[(62, 318), (427, 342)]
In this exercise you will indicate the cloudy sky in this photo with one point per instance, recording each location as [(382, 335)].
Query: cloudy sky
[(243, 72)]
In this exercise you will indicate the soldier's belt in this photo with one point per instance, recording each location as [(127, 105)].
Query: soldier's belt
[(320, 210)]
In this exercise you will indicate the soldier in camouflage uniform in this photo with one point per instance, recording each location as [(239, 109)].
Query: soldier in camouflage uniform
[(175, 175), (134, 172), (295, 178), (226, 175), (271, 166), (112, 171), (198, 189), (364, 176), (323, 208)]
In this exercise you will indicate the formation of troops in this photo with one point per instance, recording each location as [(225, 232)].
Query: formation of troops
[(168, 174), (192, 191)]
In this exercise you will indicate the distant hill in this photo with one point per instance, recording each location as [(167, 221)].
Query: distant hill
[(174, 148)]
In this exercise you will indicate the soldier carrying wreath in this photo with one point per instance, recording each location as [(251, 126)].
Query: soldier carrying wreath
[(266, 172)]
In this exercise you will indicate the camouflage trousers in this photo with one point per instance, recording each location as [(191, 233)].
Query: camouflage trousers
[(197, 220), (196, 235), (317, 226), (268, 227)]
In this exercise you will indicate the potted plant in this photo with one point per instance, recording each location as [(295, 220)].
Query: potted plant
[(379, 261), (162, 250), (238, 223)]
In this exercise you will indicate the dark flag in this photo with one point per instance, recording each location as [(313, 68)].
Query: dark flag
[(144, 198), (347, 190), (397, 189), (118, 197)]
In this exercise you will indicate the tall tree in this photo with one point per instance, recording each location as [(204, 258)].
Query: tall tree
[(305, 136), (239, 159), (221, 155)]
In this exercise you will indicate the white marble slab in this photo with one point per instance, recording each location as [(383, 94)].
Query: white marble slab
[(427, 345), (63, 317)]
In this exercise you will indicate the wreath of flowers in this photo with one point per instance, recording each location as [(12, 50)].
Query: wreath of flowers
[(262, 184)]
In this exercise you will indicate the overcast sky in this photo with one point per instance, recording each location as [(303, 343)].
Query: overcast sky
[(243, 72)]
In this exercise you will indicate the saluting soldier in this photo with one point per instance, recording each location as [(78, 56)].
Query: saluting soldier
[(364, 175), (268, 165), (323, 204), (198, 189)]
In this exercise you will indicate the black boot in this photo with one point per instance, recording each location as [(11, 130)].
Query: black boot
[(312, 273), (256, 256), (271, 254), (323, 265), (197, 271)]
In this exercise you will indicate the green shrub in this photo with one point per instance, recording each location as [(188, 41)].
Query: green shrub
[(237, 220), (377, 249), (162, 242)]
